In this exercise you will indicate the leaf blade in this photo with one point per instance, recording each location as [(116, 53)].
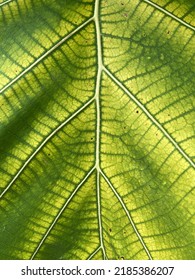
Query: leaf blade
[(97, 130)]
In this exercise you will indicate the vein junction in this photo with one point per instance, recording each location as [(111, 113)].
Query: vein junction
[(101, 68)]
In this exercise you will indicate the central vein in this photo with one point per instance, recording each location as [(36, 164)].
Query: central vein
[(97, 98)]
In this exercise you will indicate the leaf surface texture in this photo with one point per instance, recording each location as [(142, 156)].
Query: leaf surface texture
[(97, 144)]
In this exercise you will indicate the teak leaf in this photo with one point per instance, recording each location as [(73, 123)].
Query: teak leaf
[(97, 126)]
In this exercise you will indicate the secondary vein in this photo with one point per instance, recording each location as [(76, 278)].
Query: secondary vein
[(128, 215), (170, 14), (43, 144), (53, 48), (180, 150), (6, 2), (60, 213)]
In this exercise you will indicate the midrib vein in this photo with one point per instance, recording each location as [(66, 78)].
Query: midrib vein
[(97, 98), (60, 213), (128, 215), (169, 137), (53, 48), (43, 144), (170, 14)]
